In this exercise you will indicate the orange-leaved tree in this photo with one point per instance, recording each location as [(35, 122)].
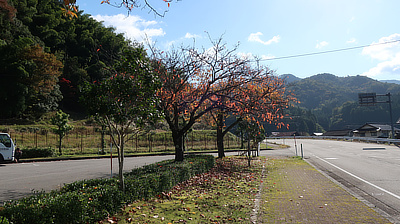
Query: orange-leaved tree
[(192, 80), (70, 9), (258, 96), (144, 4), (69, 6)]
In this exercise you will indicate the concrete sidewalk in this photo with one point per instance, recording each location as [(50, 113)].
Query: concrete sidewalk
[(295, 192)]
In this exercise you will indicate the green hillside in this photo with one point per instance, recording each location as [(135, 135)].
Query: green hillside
[(46, 56), (334, 100)]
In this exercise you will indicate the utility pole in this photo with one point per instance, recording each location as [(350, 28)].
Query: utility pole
[(391, 116)]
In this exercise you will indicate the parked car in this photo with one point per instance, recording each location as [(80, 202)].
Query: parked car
[(7, 148)]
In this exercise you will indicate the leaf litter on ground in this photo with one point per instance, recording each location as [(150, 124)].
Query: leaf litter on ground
[(225, 194)]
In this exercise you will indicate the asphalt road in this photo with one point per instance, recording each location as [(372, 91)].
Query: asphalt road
[(371, 171), (20, 179)]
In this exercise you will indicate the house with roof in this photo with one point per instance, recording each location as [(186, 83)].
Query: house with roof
[(374, 131)]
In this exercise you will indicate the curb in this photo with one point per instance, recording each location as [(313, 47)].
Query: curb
[(126, 156)]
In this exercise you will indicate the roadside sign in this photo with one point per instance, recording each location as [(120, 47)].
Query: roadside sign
[(367, 99)]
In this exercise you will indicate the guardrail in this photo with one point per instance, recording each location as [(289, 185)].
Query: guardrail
[(346, 138)]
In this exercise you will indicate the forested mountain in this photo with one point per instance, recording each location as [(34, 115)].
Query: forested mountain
[(45, 56), (328, 90), (289, 78), (334, 100)]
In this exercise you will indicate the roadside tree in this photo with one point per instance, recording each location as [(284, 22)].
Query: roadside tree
[(193, 81), (125, 102), (253, 133), (60, 120), (259, 97)]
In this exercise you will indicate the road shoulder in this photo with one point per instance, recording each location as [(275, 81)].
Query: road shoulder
[(295, 192)]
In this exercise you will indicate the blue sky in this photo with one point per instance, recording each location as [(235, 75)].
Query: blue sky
[(270, 29)]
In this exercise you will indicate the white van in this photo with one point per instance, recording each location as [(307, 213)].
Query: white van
[(7, 147)]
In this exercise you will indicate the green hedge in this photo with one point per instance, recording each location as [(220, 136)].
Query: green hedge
[(89, 201), (3, 220), (37, 153)]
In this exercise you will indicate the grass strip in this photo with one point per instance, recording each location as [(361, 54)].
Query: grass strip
[(295, 192), (223, 195)]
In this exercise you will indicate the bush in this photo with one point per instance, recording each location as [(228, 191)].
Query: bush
[(37, 153), (88, 201), (3, 220)]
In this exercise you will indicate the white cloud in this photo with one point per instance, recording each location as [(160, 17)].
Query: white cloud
[(188, 36), (267, 57), (246, 55), (191, 36), (133, 27), (388, 54), (352, 19), (255, 37), (383, 51), (321, 44), (170, 44), (390, 68), (250, 56), (352, 41)]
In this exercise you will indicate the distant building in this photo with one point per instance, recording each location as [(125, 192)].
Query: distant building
[(375, 131), (343, 132), (284, 134), (317, 134)]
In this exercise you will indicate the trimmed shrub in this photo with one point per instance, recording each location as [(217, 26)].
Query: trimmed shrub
[(89, 201), (37, 153), (3, 220)]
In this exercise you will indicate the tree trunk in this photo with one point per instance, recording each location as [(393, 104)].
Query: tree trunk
[(60, 145), (178, 142), (121, 165), (220, 135), (103, 130), (241, 139), (221, 132), (248, 147)]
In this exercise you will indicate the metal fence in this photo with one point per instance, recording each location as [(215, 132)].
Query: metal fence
[(89, 141), (347, 138)]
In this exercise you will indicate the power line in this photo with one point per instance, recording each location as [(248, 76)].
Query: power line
[(325, 52)]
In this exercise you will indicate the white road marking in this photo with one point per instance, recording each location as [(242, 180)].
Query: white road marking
[(359, 178)]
